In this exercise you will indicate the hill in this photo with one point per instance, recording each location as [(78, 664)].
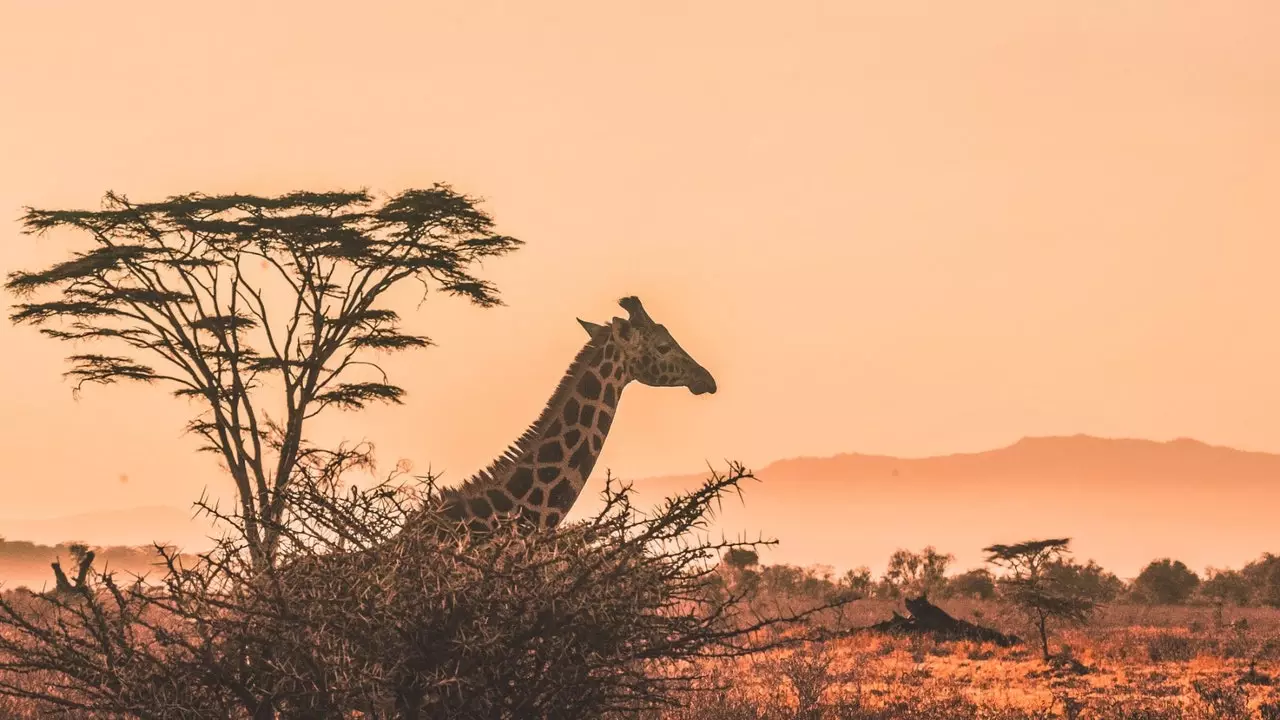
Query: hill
[(1123, 501), (130, 526)]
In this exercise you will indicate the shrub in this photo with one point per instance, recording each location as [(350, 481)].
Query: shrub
[(1227, 586), (601, 615), (977, 584), (1263, 575), (1165, 582)]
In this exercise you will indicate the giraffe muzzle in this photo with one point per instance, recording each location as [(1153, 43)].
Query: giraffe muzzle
[(704, 385)]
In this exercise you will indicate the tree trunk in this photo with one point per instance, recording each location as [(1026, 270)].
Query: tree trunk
[(1044, 636)]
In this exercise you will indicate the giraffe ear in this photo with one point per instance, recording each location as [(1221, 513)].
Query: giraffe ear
[(590, 327)]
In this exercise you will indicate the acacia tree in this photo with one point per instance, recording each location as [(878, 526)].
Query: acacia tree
[(262, 309), (1033, 588), (920, 573)]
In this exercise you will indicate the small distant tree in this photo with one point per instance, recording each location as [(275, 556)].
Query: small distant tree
[(1165, 582), (741, 558), (922, 573), (84, 559), (262, 310), (857, 582), (1032, 588), (1090, 579), (977, 584), (1229, 587), (1263, 575), (782, 578), (740, 570)]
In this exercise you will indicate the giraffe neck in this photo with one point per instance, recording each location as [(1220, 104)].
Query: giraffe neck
[(543, 473)]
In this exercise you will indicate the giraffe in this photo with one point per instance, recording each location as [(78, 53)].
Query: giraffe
[(542, 474)]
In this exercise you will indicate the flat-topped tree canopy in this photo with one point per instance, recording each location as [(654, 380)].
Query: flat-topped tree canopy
[(264, 307)]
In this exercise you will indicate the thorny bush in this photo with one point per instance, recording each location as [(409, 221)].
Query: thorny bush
[(380, 607)]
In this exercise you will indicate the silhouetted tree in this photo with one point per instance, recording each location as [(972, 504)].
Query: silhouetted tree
[(922, 573), (182, 288), (1227, 586), (740, 570), (1031, 587), (741, 558), (1089, 580), (857, 582), (1165, 582), (977, 584), (1264, 576)]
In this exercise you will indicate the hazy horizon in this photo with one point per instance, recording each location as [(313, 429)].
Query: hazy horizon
[(1104, 493), (895, 228)]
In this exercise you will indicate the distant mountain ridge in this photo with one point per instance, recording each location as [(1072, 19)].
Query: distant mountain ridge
[(129, 526), (1125, 501)]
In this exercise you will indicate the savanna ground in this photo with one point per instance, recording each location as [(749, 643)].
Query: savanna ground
[(1139, 662), (1132, 662)]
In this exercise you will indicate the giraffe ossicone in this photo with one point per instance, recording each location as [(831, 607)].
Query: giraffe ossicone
[(543, 473)]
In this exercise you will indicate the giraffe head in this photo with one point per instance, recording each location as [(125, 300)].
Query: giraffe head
[(649, 353)]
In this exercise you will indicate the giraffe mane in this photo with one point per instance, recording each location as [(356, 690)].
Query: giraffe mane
[(525, 443)]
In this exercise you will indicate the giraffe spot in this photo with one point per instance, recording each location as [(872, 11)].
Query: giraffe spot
[(579, 458), (530, 516), (561, 496), (624, 331), (551, 520), (478, 526), (520, 482), (550, 452), (606, 369), (588, 416), (454, 510), (610, 352), (588, 464), (610, 398), (548, 473), (554, 428), (617, 371), (535, 497), (589, 386), (604, 421), (501, 501), (597, 442), (572, 437), (480, 507), (571, 411)]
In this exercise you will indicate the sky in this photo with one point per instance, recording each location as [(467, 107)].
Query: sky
[(888, 227)]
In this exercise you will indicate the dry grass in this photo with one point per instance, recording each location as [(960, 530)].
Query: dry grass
[(1140, 663), (1143, 663)]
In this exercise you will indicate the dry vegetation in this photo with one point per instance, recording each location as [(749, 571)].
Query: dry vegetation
[(1139, 663), (1135, 662)]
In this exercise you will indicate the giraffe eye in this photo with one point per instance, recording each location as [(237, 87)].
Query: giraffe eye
[(664, 348)]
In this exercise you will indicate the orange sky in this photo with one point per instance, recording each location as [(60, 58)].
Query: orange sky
[(895, 227)]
